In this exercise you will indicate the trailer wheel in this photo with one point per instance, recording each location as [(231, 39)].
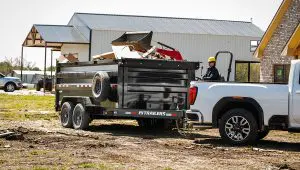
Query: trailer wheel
[(66, 114), (81, 118), (238, 126), (101, 86)]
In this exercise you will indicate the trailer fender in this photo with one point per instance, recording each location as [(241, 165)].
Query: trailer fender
[(77, 99)]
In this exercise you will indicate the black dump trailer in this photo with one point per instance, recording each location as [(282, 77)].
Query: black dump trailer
[(154, 92)]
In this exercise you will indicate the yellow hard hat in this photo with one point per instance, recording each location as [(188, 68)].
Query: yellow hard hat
[(211, 59)]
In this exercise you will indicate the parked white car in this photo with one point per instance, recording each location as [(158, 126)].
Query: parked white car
[(10, 84), (246, 112)]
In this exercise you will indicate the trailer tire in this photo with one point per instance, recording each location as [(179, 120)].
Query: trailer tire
[(238, 126), (66, 114), (80, 118), (101, 86)]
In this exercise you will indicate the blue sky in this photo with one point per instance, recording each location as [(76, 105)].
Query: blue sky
[(18, 16)]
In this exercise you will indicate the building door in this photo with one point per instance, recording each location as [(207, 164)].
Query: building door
[(295, 97)]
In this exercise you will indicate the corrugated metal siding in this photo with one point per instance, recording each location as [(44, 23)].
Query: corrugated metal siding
[(169, 25), (194, 47), (101, 41)]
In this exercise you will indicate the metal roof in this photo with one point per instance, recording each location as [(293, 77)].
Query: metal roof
[(54, 35), (168, 24)]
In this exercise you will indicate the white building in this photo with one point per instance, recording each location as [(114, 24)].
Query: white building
[(90, 34), (30, 77)]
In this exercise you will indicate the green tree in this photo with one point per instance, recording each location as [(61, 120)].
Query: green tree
[(53, 68), (36, 69), (10, 63), (5, 67)]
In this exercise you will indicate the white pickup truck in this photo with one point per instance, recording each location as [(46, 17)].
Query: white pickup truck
[(244, 112)]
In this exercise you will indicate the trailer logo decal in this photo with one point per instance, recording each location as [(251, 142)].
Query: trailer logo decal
[(172, 114), (152, 113), (134, 113)]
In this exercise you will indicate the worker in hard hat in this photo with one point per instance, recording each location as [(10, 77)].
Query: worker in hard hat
[(212, 73)]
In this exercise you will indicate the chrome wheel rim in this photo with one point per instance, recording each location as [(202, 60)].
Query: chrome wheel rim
[(77, 118), (64, 115), (10, 87), (237, 128), (98, 88)]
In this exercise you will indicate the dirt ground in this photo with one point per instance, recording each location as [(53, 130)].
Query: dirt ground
[(123, 145)]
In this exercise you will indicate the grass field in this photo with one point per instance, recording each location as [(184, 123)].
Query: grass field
[(22, 107)]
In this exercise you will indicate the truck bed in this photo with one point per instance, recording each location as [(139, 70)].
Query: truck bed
[(272, 97)]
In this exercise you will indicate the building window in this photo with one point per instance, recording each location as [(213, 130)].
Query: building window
[(281, 73), (247, 71), (253, 45)]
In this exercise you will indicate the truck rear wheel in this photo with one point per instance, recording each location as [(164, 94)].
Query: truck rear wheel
[(66, 114), (81, 118), (101, 86), (238, 126)]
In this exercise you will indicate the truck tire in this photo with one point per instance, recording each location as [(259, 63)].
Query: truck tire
[(80, 118), (9, 87), (238, 126), (262, 134), (66, 114), (101, 86)]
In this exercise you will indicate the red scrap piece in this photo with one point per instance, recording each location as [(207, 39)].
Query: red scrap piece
[(175, 55)]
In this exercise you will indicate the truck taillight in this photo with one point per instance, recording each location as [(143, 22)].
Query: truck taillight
[(192, 94)]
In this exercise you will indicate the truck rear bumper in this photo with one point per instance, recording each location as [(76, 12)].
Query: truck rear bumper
[(194, 116)]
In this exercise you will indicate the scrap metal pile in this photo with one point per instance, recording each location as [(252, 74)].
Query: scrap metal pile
[(138, 45)]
